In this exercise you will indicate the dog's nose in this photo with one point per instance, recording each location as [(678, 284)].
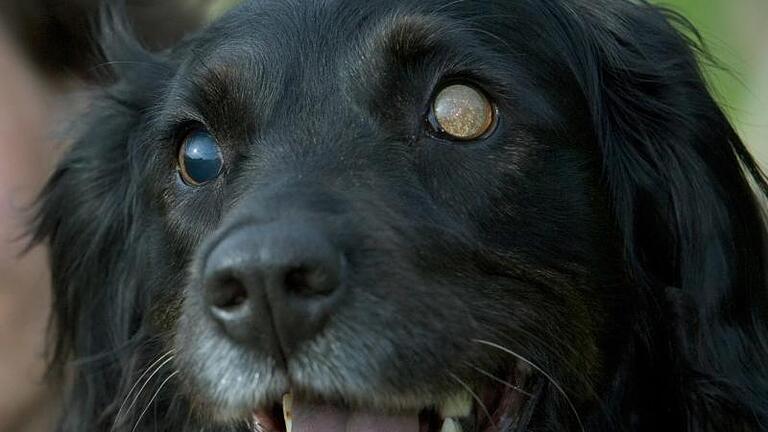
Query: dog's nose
[(273, 286)]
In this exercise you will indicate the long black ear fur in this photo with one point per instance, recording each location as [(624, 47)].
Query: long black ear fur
[(88, 215), (687, 199)]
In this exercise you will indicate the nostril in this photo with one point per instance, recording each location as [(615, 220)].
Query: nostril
[(307, 281), (296, 280), (228, 294), (273, 286)]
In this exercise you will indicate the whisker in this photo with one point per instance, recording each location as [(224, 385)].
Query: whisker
[(475, 397), (152, 400), (154, 368), (541, 371), (501, 381), (107, 64), (146, 371), (583, 380), (445, 6)]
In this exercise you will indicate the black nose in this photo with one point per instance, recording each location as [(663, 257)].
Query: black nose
[(273, 286)]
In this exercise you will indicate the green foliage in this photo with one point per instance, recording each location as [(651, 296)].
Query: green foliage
[(728, 80)]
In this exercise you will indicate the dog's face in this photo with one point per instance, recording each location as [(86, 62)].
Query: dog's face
[(394, 213), (380, 209)]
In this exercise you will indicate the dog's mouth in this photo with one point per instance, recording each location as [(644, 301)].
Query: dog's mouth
[(496, 406)]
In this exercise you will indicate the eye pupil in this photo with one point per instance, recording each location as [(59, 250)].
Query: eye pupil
[(462, 112), (200, 159)]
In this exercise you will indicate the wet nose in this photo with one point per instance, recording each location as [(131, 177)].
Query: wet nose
[(273, 286)]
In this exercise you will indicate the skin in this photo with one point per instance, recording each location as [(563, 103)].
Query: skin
[(23, 292)]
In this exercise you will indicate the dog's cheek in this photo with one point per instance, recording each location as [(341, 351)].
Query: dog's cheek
[(167, 287), (166, 312)]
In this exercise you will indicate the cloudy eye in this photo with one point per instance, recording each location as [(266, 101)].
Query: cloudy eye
[(200, 159), (462, 112)]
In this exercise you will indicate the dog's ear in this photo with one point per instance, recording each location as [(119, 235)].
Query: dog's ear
[(87, 215), (685, 195)]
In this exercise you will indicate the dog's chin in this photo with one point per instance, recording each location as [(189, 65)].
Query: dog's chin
[(496, 404)]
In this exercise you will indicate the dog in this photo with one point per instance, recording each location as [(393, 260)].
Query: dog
[(403, 215)]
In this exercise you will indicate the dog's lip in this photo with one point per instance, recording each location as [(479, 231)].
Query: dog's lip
[(494, 406)]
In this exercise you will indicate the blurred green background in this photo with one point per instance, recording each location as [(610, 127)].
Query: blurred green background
[(736, 32)]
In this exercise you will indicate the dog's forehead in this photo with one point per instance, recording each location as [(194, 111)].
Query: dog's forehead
[(271, 66), (319, 56), (321, 38)]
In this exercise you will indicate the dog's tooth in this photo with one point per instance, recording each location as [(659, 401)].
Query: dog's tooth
[(457, 406), (288, 411), (450, 425)]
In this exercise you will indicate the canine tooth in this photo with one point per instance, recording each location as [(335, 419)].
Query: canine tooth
[(288, 411), (450, 425), (457, 406)]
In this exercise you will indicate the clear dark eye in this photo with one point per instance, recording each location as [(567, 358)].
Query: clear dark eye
[(462, 112), (200, 159)]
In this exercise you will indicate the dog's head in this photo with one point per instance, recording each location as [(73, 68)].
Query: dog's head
[(412, 216)]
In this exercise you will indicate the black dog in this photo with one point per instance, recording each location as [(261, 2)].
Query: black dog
[(407, 216)]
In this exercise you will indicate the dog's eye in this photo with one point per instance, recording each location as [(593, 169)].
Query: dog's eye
[(462, 112), (200, 159)]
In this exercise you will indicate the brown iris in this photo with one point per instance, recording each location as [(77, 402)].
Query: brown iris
[(462, 112)]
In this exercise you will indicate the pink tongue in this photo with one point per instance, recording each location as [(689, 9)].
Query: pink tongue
[(313, 418)]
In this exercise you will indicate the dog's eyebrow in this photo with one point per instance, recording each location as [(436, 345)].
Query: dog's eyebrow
[(223, 76), (395, 42), (220, 88), (405, 37)]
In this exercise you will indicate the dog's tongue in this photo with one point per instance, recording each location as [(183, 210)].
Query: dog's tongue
[(315, 418)]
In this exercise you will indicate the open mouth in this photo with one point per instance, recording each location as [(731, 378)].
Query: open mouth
[(496, 407)]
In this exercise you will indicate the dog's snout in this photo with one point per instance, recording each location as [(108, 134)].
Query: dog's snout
[(273, 286)]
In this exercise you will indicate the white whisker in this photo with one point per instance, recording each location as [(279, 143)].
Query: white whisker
[(152, 400), (501, 381), (154, 368), (541, 371), (474, 396)]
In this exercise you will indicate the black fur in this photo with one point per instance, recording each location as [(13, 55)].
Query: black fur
[(610, 230)]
